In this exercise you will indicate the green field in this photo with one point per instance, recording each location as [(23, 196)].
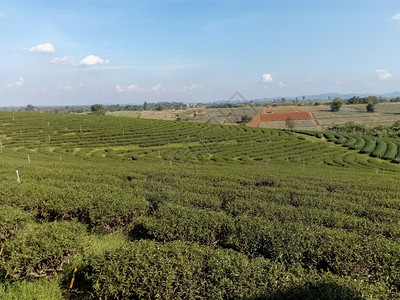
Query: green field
[(174, 210)]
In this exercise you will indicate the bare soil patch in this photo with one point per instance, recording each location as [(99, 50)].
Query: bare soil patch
[(283, 116)]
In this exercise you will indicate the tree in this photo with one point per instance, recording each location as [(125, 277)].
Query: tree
[(396, 126), (98, 109), (336, 104), (373, 99), (245, 119), (291, 122), (30, 107), (370, 107)]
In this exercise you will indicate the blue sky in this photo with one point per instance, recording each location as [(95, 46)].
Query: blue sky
[(69, 52)]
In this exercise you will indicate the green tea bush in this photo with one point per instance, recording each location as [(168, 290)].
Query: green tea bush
[(256, 236), (41, 249), (341, 139), (297, 227), (360, 144), (105, 210), (391, 151), (12, 219), (176, 270), (380, 149), (370, 144), (175, 222), (43, 289), (351, 141), (337, 251), (330, 136)]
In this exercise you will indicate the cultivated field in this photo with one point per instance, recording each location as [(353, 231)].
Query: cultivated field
[(322, 117), (386, 114), (183, 210)]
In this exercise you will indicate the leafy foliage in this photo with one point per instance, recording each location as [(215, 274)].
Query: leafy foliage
[(40, 249), (336, 104), (163, 209), (98, 109), (370, 107), (11, 220), (179, 271)]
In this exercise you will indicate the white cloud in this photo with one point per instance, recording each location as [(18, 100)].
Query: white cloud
[(120, 88), (132, 88), (157, 87), (67, 87), (92, 60), (396, 17), (191, 87), (43, 48), (62, 61), (280, 84), (383, 74), (20, 82), (266, 78), (70, 88)]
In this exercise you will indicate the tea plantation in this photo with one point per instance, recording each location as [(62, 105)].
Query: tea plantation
[(152, 209)]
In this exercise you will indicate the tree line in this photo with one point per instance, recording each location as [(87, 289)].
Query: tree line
[(371, 101)]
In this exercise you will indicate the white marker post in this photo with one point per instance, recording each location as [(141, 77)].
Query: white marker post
[(18, 180), (29, 159)]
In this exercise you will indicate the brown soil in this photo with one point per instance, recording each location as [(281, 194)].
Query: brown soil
[(280, 114), (298, 115)]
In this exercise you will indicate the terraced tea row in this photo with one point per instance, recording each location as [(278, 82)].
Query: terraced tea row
[(385, 148), (206, 211), (166, 140)]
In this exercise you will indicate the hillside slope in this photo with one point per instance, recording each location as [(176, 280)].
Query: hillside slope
[(164, 209)]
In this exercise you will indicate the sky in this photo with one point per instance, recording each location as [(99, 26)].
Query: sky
[(80, 52)]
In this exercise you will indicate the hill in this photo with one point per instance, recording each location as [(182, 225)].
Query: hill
[(169, 209)]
